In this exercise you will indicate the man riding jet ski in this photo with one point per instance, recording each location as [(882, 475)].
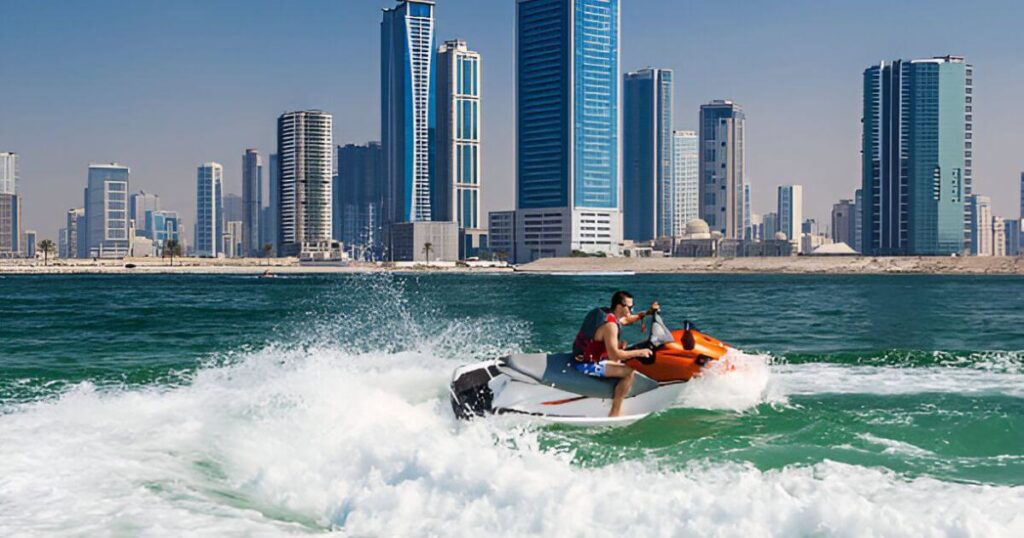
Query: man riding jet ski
[(560, 387)]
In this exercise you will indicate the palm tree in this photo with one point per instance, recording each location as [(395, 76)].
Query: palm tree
[(171, 248), (266, 251), (428, 247), (47, 247)]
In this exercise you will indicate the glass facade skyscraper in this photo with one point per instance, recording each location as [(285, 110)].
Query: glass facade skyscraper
[(685, 186), (10, 206), (138, 205), (8, 172), (252, 202), (407, 109), (567, 127), (209, 209), (791, 212), (456, 192), (106, 211), (917, 156), (722, 167), (648, 200), (270, 213), (358, 199)]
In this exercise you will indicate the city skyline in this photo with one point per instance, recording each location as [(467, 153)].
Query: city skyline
[(46, 110)]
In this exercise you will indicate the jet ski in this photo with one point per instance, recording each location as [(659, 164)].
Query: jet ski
[(548, 386)]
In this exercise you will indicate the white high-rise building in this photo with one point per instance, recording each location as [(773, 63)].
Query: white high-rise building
[(981, 226), (455, 195), (209, 209), (998, 236), (8, 172), (304, 144), (791, 211), (685, 186)]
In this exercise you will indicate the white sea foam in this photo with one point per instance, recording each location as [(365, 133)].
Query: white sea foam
[(816, 378), (739, 381), (285, 441)]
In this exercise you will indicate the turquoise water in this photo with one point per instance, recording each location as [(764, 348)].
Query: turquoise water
[(302, 404)]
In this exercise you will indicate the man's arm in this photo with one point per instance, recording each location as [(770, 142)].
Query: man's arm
[(611, 343), (631, 319)]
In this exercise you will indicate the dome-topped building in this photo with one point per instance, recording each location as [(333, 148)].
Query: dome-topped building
[(697, 229)]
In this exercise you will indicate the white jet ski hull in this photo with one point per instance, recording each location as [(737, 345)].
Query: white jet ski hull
[(552, 390)]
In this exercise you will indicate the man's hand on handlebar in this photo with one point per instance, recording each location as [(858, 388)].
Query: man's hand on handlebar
[(654, 308), (643, 353)]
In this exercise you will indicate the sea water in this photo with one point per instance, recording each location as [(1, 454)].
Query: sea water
[(231, 405)]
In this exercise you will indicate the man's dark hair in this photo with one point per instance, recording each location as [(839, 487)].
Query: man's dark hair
[(620, 297)]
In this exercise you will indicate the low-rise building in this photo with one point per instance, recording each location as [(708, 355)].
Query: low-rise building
[(424, 241), (502, 238)]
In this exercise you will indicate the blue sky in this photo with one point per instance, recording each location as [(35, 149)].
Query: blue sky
[(163, 86)]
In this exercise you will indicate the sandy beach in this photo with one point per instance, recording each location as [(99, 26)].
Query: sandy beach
[(795, 264), (791, 265), (253, 266)]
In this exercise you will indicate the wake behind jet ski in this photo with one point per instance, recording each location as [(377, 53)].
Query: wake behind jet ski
[(550, 386)]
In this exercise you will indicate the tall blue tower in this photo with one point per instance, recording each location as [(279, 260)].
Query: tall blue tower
[(567, 127), (917, 155), (647, 187), (407, 109)]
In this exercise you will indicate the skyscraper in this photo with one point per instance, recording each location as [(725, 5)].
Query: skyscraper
[(10, 225), (273, 209), (252, 202), (647, 196), (304, 144), (1021, 216), (722, 125), (234, 208), (746, 212), (407, 109), (770, 225), (139, 204), (842, 222), (1012, 237), (567, 123), (917, 155), (209, 209), (359, 199), (998, 236), (106, 211), (9, 172), (10, 206), (858, 221), (981, 227), (456, 192), (164, 226), (685, 186), (791, 211)]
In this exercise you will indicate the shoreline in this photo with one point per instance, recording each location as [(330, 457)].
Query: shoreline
[(223, 266), (835, 265), (829, 265)]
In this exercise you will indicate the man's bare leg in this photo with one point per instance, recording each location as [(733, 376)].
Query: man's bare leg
[(625, 373)]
